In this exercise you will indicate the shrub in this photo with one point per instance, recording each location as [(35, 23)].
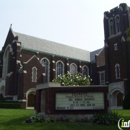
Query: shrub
[(10, 105), (108, 118), (128, 34), (85, 119), (73, 80), (62, 118), (51, 119), (1, 98), (37, 118), (126, 101), (72, 121)]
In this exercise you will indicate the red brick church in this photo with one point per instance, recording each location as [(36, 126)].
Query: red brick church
[(26, 61)]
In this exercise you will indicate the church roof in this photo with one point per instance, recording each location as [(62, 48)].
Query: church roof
[(45, 46), (93, 53)]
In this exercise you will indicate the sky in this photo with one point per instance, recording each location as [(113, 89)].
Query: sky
[(77, 23)]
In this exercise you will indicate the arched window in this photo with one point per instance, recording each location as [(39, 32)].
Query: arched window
[(34, 74), (117, 23), (111, 27), (59, 68), (73, 68), (117, 71), (6, 60), (102, 77), (45, 62), (85, 70)]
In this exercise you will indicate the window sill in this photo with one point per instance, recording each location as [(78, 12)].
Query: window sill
[(114, 35)]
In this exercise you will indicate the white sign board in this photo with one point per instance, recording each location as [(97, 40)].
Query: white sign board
[(80, 101)]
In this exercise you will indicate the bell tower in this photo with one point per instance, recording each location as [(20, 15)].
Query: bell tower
[(117, 52), (116, 21)]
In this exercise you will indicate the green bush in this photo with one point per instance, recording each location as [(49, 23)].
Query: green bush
[(72, 120), (37, 118), (1, 98), (8, 104), (126, 101), (73, 79), (51, 119), (128, 34), (108, 118)]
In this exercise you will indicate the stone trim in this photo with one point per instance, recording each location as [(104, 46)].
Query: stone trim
[(34, 56), (22, 100), (24, 71), (18, 61), (18, 44), (9, 74)]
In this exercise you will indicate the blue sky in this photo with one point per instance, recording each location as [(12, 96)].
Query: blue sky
[(77, 23)]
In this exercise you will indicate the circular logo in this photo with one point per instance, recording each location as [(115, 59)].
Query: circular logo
[(119, 124)]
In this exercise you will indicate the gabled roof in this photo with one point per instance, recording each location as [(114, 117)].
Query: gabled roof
[(41, 45), (93, 53)]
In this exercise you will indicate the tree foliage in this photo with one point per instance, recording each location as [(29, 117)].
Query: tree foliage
[(73, 80), (126, 101), (128, 34)]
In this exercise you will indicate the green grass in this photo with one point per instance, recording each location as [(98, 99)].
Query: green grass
[(124, 114), (14, 119)]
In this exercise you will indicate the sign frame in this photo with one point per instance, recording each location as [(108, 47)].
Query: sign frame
[(79, 108)]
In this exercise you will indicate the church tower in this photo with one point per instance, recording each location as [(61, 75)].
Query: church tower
[(117, 52), (116, 21)]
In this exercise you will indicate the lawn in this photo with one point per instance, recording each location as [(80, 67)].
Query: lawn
[(14, 119)]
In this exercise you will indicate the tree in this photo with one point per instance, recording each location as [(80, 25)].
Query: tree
[(73, 80), (126, 101), (128, 34)]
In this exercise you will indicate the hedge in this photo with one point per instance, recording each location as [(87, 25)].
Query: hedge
[(10, 105), (1, 98)]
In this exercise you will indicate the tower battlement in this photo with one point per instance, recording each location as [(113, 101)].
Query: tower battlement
[(121, 8)]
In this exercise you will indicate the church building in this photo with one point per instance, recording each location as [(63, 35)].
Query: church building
[(26, 61)]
